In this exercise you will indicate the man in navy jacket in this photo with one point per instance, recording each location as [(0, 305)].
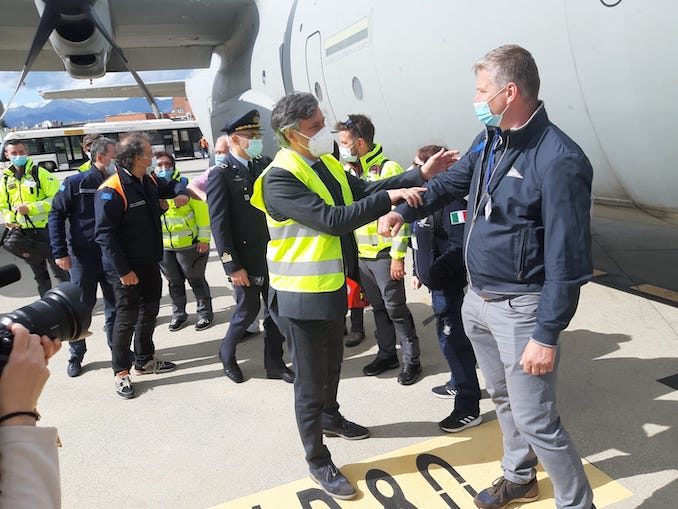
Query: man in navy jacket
[(527, 252)]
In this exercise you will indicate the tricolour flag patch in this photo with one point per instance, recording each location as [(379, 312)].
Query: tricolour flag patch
[(458, 217)]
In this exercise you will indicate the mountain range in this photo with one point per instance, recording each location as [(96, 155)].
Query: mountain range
[(70, 111)]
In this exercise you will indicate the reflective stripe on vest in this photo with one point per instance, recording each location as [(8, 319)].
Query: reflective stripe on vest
[(301, 259)]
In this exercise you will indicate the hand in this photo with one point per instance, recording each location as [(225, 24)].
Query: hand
[(163, 204), (22, 209), (412, 196), (389, 225), (181, 200), (202, 247), (63, 263), (439, 162), (537, 359), (240, 278), (416, 284), (129, 279), (397, 269), (25, 374)]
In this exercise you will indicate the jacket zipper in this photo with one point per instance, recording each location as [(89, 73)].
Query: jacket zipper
[(523, 249)]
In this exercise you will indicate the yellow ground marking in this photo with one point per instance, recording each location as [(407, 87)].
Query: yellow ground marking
[(657, 291), (413, 476)]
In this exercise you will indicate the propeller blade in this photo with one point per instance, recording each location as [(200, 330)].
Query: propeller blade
[(48, 21), (89, 10)]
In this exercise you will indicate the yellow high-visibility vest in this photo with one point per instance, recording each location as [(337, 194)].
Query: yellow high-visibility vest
[(36, 188), (301, 259)]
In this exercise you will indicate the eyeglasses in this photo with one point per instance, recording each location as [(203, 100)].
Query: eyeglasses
[(349, 123)]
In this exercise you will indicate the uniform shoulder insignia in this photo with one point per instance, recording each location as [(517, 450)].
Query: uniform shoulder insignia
[(106, 195)]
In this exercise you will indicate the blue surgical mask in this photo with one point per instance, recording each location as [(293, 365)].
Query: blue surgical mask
[(164, 173), (18, 160), (150, 169), (255, 148), (484, 113), (110, 168), (220, 158)]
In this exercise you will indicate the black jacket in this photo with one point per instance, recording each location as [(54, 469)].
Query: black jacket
[(75, 202), (132, 236), (239, 229), (287, 197), (537, 239)]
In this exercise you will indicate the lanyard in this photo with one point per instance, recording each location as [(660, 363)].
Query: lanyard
[(490, 164)]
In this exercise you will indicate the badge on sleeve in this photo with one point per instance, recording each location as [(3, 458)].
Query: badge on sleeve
[(106, 196), (226, 257), (458, 217)]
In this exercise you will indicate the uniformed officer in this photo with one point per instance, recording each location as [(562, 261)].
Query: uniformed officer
[(77, 251), (382, 260), (127, 212), (439, 264), (241, 235), (186, 242), (312, 207), (26, 192), (87, 141)]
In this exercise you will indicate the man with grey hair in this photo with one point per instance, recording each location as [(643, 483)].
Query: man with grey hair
[(527, 253), (312, 207), (77, 251)]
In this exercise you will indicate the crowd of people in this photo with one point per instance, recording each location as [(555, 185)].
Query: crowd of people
[(499, 236)]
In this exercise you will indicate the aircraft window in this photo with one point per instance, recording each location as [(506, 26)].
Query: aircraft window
[(263, 77), (301, 25), (357, 88), (318, 91)]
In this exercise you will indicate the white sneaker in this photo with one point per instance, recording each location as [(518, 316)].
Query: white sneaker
[(154, 366), (123, 385), (254, 327)]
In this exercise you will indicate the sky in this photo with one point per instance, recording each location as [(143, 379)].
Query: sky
[(41, 81)]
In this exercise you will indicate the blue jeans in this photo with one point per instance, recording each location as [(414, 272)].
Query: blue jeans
[(457, 349), (86, 274)]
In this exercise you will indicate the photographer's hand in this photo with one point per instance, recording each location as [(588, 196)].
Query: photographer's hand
[(25, 374)]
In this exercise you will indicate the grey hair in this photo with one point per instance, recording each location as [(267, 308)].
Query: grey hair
[(100, 147), (130, 147), (289, 110), (512, 63), (223, 137)]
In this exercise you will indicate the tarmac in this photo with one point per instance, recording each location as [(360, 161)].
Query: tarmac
[(193, 439)]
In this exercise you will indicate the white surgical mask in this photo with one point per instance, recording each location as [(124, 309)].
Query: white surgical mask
[(220, 158), (347, 155), (110, 167), (320, 143), (150, 169), (88, 154)]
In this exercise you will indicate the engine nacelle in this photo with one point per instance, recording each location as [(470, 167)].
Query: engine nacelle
[(76, 40)]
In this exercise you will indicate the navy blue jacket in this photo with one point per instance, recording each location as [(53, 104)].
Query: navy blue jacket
[(132, 236), (438, 247), (537, 238), (75, 202)]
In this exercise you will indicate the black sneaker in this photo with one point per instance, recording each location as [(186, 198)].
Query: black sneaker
[(503, 493), (346, 429), (74, 367), (123, 385), (333, 482), (203, 323), (154, 366), (177, 323), (459, 420), (378, 366), (354, 339), (444, 392), (410, 374)]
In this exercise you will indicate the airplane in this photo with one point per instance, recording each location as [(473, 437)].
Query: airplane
[(605, 67)]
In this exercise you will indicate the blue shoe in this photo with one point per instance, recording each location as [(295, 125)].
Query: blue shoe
[(333, 482), (503, 493), (74, 367)]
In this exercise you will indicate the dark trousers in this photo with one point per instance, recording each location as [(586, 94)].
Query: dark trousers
[(317, 350), (391, 314), (86, 273), (357, 320), (187, 264), (247, 304), (40, 269), (136, 308), (457, 349)]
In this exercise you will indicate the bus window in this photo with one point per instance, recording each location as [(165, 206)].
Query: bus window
[(76, 147), (60, 147)]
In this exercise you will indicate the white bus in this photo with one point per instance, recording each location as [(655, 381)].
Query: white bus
[(59, 148)]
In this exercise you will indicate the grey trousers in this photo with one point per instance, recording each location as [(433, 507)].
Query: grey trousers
[(391, 314), (525, 404), (187, 264)]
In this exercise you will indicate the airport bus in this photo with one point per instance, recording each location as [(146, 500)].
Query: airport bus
[(59, 148)]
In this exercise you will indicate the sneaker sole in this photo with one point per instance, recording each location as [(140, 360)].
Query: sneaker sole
[(125, 396), (178, 328), (333, 495), (474, 422), (447, 395), (410, 382), (136, 372), (332, 434)]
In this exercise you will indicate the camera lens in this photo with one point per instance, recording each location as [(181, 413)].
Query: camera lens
[(59, 314)]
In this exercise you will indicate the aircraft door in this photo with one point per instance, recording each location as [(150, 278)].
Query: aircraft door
[(316, 76)]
